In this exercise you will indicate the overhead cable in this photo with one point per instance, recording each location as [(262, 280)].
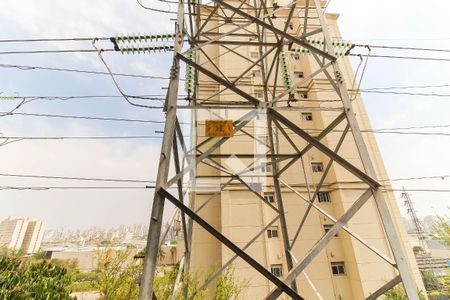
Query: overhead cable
[(404, 57), (27, 68)]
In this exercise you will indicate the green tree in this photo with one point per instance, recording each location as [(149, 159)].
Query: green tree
[(160, 255), (441, 228), (398, 293), (164, 284), (228, 286), (430, 280), (442, 291), (22, 278), (116, 274)]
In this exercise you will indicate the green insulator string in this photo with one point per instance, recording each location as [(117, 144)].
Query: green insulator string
[(340, 46), (189, 83), (140, 50), (137, 37), (285, 72)]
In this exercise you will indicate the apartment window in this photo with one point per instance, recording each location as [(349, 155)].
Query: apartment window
[(338, 268), (327, 227), (302, 95), (266, 168), (254, 55), (257, 74), (317, 167), (324, 197), (298, 74), (307, 116), (258, 95), (277, 270), (269, 198), (272, 232)]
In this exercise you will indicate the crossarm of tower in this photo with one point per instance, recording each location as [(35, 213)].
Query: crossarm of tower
[(220, 80), (275, 30)]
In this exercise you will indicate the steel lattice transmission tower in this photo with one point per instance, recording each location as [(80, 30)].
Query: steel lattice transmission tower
[(415, 219), (239, 57)]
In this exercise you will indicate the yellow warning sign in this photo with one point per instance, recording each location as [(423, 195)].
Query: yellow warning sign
[(216, 128)]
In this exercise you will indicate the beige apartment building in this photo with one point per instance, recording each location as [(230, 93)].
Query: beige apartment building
[(345, 269), (21, 233)]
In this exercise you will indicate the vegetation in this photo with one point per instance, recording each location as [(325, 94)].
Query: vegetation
[(398, 293), (441, 228), (22, 278), (441, 288), (164, 285), (227, 286), (115, 277), (116, 274), (438, 287)]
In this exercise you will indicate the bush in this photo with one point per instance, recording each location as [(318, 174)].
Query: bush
[(30, 279)]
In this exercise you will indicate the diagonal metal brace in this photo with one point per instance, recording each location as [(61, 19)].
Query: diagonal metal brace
[(314, 251), (238, 251), (385, 288), (220, 80), (324, 149)]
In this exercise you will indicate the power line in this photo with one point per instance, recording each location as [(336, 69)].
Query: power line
[(405, 93), (35, 176), (74, 39), (43, 188), (136, 137), (138, 50), (54, 51), (83, 117), (74, 178), (418, 178), (419, 190), (407, 87), (155, 9), (143, 97), (28, 68), (405, 48), (28, 99), (11, 139), (116, 83), (147, 97), (402, 57), (411, 133), (185, 123)]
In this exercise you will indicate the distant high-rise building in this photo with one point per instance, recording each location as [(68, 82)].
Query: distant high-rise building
[(33, 236), (21, 233)]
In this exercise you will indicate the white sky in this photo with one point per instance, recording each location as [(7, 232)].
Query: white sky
[(400, 22)]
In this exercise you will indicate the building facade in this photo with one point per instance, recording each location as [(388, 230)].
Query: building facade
[(345, 269), (22, 234)]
